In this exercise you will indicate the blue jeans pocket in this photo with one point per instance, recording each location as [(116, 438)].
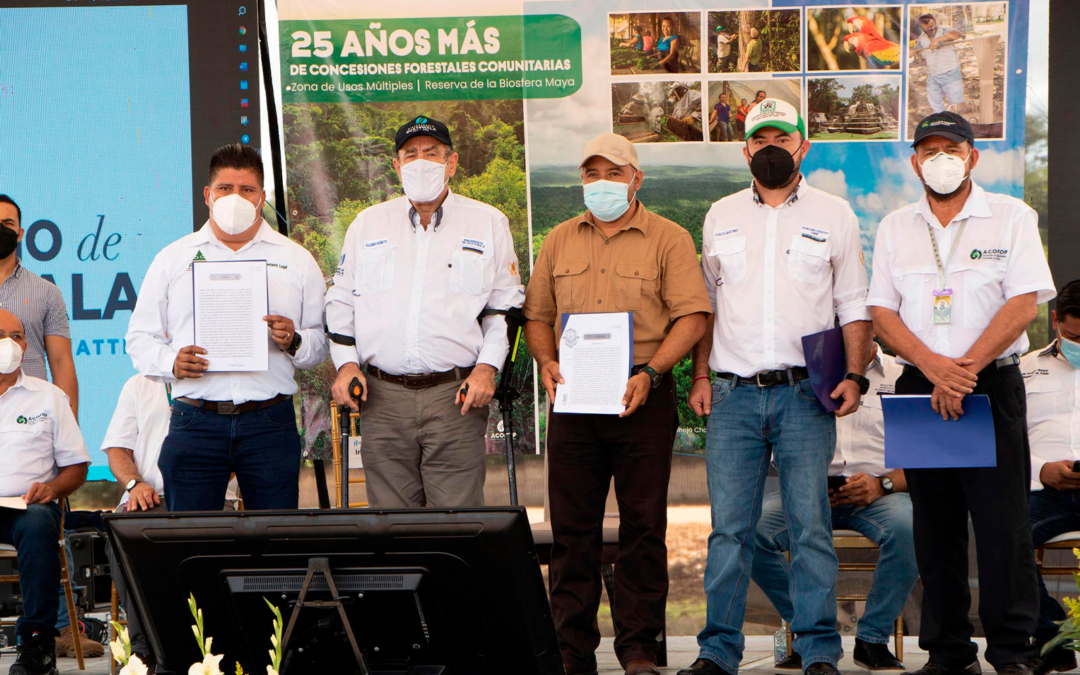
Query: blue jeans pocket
[(720, 391), (280, 415), (806, 392), (183, 416)]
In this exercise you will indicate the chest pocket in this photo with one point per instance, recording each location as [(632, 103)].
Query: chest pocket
[(730, 252), (982, 292), (376, 271), (630, 280), (1046, 396), (808, 260), (569, 285), (913, 285), (470, 273), (284, 291)]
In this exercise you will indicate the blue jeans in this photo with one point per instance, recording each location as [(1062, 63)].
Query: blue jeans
[(950, 85), (750, 425), (886, 522), (203, 448), (1052, 512), (723, 130), (35, 534)]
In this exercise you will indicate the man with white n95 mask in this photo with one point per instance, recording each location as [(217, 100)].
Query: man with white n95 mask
[(416, 274), (230, 422)]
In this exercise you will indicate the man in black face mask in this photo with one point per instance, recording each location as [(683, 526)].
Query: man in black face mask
[(781, 260)]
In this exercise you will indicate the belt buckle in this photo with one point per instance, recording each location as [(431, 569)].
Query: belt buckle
[(414, 381), (227, 408), (757, 378)]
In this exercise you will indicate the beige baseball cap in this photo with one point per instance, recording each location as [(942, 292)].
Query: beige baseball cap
[(612, 147)]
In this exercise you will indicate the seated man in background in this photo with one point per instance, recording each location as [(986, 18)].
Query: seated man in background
[(46, 460), (133, 443), (868, 499), (1052, 381)]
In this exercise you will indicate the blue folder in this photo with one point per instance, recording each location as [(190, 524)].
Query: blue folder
[(917, 438), (826, 362)]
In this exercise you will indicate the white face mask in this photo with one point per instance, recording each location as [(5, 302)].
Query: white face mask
[(423, 180), (233, 214), (10, 356), (944, 173)]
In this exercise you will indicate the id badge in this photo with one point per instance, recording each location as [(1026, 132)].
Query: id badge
[(943, 307)]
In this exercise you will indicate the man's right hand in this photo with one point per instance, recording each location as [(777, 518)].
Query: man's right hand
[(701, 398), (950, 375), (340, 388), (187, 364), (142, 497), (1059, 475), (549, 377)]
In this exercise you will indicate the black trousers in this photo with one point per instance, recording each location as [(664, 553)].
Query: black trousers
[(584, 453), (997, 500)]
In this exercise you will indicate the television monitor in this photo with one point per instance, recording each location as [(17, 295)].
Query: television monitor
[(425, 592)]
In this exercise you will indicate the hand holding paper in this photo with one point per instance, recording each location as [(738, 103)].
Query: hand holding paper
[(595, 355)]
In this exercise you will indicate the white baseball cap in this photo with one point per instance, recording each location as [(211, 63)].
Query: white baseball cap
[(773, 112)]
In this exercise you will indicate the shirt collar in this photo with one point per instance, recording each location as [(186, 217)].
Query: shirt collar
[(800, 190), (205, 235), (876, 363), (1051, 349), (19, 383), (437, 217), (976, 206), (639, 221)]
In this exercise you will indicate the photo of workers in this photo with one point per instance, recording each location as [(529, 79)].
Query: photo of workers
[(853, 108), (853, 38), (738, 96), (653, 43), (657, 112), (956, 62), (755, 41)]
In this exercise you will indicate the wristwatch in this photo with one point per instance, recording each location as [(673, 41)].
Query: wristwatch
[(886, 484), (653, 375), (864, 384), (296, 341), (131, 484)]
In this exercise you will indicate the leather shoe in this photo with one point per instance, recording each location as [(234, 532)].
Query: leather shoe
[(641, 667), (1014, 669), (938, 669), (821, 669), (1058, 659), (876, 657), (703, 667), (793, 662)]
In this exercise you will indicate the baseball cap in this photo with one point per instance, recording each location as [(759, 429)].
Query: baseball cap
[(422, 126), (612, 147), (946, 124), (773, 112)]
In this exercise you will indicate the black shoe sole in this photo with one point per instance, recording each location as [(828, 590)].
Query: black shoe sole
[(899, 669)]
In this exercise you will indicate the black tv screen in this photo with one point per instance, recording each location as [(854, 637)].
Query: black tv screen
[(425, 592)]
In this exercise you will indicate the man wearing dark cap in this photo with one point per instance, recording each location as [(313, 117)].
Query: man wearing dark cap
[(958, 278), (416, 273), (615, 257)]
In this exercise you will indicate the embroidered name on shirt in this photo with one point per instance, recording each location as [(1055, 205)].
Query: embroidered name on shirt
[(40, 417), (726, 232), (1032, 373), (280, 267), (375, 243), (814, 234), (474, 245)]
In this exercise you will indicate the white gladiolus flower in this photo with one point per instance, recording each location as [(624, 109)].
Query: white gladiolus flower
[(270, 671), (134, 667), (118, 652), (211, 665)]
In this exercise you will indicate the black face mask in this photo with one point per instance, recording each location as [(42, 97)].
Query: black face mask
[(9, 239), (772, 166)]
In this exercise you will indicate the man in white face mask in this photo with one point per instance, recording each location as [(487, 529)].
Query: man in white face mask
[(224, 422), (957, 280), (416, 274)]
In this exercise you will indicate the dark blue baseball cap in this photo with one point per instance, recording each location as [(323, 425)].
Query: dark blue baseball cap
[(422, 126), (946, 124)]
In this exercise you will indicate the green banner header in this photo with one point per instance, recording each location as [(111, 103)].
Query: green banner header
[(455, 58)]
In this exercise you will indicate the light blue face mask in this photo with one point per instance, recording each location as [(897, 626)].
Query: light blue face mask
[(606, 199), (1070, 350)]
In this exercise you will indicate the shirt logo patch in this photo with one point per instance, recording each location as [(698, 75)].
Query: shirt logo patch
[(513, 268), (473, 245), (815, 234), (989, 254), (40, 417), (199, 256), (375, 243)]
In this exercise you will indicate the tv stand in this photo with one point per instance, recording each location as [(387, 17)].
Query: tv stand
[(321, 566)]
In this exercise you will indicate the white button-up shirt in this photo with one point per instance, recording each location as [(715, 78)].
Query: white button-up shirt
[(411, 296), (1053, 409), (943, 59), (39, 435), (860, 436), (999, 257), (163, 321), (777, 274), (140, 424)]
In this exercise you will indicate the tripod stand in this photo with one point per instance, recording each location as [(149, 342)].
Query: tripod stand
[(509, 389)]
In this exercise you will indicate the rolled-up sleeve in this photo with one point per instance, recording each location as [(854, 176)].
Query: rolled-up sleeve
[(849, 274), (710, 268), (313, 349), (682, 287), (506, 293), (540, 294)]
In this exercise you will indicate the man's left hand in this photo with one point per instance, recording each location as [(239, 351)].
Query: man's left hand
[(850, 392), (40, 493), (637, 392), (481, 384), (860, 490), (282, 330)]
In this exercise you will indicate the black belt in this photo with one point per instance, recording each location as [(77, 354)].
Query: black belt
[(1003, 362), (422, 381), (770, 378), (230, 408)]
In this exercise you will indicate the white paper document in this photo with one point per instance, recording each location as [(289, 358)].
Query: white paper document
[(16, 503), (595, 356), (230, 301)]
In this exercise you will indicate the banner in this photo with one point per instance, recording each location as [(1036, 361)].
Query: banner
[(533, 81)]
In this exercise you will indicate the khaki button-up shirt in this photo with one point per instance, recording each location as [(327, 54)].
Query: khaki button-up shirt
[(649, 267)]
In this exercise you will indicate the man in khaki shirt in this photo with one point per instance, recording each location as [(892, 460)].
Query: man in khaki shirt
[(616, 257)]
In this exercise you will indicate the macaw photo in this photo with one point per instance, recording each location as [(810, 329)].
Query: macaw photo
[(853, 38)]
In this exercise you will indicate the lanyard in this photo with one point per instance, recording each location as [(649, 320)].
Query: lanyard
[(168, 393), (942, 278)]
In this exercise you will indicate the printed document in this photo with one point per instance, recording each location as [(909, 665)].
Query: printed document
[(596, 353), (230, 301)]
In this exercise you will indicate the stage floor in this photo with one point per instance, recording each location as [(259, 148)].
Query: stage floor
[(681, 652)]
